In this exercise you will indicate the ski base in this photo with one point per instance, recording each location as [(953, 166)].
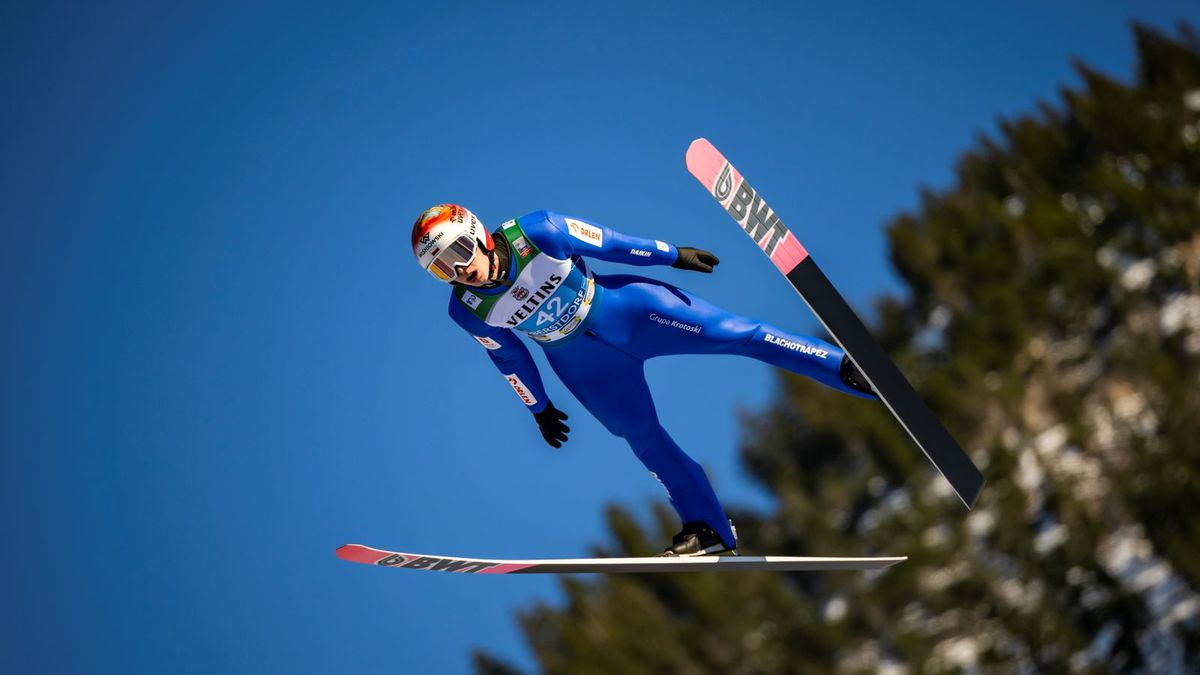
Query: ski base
[(416, 561)]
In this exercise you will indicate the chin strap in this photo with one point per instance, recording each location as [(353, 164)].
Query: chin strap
[(498, 262)]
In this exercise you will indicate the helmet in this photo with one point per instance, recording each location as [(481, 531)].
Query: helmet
[(446, 237)]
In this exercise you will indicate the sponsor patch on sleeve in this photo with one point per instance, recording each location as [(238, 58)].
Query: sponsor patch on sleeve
[(662, 246), (487, 342), (585, 232), (522, 391)]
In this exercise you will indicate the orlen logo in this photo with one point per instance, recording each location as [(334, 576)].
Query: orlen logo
[(487, 342), (519, 387), (585, 232)]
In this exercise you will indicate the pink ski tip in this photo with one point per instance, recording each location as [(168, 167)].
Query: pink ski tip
[(360, 554), (699, 150)]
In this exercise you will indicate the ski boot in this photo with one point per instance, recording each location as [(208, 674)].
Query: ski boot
[(697, 538), (853, 377)]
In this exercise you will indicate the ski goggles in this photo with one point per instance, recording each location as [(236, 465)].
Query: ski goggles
[(447, 263)]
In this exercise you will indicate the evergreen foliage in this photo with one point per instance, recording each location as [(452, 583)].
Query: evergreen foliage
[(1053, 323)]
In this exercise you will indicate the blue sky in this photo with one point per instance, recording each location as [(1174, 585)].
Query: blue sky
[(220, 363)]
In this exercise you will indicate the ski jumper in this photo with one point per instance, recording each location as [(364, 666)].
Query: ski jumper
[(598, 330)]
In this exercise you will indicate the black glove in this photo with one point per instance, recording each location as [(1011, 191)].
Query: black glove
[(695, 259), (550, 423)]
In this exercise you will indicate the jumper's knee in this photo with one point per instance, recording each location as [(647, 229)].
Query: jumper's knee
[(643, 438)]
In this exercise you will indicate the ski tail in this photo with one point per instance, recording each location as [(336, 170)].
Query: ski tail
[(750, 211)]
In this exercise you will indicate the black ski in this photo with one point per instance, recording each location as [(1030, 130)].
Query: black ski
[(751, 212)]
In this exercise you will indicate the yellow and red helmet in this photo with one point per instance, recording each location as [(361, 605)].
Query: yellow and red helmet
[(446, 237)]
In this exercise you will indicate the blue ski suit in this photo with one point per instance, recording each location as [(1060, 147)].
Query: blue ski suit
[(598, 330)]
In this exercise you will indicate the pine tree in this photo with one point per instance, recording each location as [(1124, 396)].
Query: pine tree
[(1053, 322)]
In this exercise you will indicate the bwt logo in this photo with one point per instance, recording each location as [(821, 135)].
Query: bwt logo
[(756, 218), (426, 562), (724, 184)]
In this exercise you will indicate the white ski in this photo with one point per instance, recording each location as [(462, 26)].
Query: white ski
[(416, 561)]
